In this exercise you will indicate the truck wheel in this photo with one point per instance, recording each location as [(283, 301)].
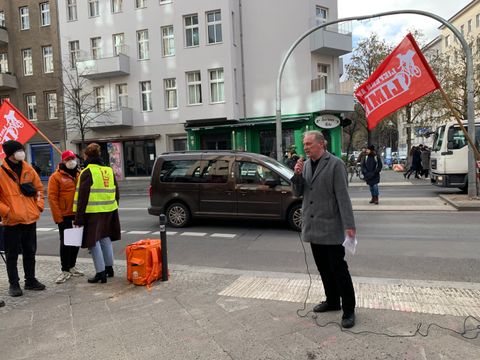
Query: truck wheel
[(295, 217), (178, 215)]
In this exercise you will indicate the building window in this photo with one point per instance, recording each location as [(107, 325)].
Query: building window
[(321, 15), (168, 41), (170, 93), (24, 18), (47, 52), (93, 8), (140, 4), (52, 109), (71, 10), (118, 44), (122, 96), (31, 102), (96, 48), (194, 86), (2, 19), (462, 29), (217, 93), (117, 6), (234, 32), (99, 93), (447, 41), (191, 30), (469, 26), (146, 95), (179, 144), (139, 157), (214, 21), (44, 14), (477, 20), (74, 48), (321, 82), (3, 63), (478, 45), (142, 44), (27, 62)]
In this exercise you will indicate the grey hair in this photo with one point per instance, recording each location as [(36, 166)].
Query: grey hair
[(317, 134)]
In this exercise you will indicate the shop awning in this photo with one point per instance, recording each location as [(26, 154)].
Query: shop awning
[(115, 138), (240, 123)]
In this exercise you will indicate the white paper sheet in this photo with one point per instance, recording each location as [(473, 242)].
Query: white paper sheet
[(350, 244), (73, 236)]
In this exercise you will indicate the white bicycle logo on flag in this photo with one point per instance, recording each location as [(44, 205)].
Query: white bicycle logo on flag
[(407, 68), (10, 131)]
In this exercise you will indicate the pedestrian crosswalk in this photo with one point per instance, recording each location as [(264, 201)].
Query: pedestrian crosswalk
[(157, 233)]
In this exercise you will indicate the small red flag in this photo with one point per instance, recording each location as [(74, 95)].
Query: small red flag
[(14, 126), (403, 77)]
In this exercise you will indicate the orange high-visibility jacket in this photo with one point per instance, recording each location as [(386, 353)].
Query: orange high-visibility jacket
[(16, 208)]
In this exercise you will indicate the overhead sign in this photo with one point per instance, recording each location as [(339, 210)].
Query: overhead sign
[(327, 121)]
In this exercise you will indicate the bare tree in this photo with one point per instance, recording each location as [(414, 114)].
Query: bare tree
[(83, 110)]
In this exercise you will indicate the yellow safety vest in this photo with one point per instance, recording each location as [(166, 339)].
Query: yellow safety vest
[(102, 192)]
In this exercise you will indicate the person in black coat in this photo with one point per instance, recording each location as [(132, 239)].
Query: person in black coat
[(371, 167)]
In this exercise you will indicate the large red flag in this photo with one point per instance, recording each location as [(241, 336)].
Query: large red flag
[(403, 77), (14, 126)]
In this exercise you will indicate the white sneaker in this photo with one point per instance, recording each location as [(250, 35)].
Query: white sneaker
[(75, 272), (64, 276)]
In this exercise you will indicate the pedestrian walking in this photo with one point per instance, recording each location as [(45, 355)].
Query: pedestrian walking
[(292, 158), (416, 163), (21, 202), (371, 168), (327, 218), (425, 159), (61, 191), (96, 207)]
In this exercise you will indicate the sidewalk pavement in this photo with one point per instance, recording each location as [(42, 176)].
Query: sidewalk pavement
[(208, 313)]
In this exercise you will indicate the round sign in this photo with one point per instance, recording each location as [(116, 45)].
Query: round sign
[(327, 121)]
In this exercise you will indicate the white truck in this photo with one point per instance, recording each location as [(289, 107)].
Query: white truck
[(449, 156)]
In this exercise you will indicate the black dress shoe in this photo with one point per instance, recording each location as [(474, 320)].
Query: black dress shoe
[(109, 271), (325, 306), (15, 290), (99, 277), (2, 303), (348, 320), (34, 285)]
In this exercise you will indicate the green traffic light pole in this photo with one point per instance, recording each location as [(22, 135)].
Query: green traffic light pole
[(472, 178)]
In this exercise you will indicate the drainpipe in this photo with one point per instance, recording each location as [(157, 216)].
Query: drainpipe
[(242, 61)]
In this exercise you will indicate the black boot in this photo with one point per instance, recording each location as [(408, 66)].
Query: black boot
[(109, 271), (99, 277), (375, 200), (372, 200)]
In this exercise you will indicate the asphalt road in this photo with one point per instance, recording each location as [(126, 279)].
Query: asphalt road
[(394, 244)]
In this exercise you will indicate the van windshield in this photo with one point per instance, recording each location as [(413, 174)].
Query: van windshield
[(457, 139), (286, 172)]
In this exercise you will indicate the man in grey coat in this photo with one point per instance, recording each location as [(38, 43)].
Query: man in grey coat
[(327, 219)]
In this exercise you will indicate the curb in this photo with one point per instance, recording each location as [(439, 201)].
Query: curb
[(460, 207)]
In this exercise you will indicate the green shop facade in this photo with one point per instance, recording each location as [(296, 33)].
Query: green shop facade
[(258, 134)]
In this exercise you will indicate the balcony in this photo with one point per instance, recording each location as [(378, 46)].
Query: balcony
[(106, 67), (115, 118), (335, 40), (324, 100), (3, 36), (8, 81)]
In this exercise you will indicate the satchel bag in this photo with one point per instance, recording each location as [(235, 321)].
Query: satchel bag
[(27, 189)]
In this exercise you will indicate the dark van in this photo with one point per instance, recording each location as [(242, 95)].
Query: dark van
[(222, 184)]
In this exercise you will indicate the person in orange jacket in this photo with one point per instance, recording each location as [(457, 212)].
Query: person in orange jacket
[(21, 202), (61, 191)]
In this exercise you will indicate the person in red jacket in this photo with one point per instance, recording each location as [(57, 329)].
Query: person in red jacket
[(21, 202), (61, 191)]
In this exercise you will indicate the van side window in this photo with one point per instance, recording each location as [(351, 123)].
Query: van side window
[(180, 171), (252, 173), (215, 171)]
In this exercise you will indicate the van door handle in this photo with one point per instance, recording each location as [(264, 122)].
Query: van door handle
[(228, 192)]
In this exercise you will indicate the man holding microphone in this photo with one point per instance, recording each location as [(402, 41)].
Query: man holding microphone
[(327, 219)]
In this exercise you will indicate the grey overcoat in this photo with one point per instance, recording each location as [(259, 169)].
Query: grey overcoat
[(326, 209)]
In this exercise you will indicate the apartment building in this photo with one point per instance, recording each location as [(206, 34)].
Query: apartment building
[(30, 71), (168, 75)]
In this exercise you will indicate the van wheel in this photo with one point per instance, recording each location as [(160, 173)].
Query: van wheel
[(295, 217), (178, 215)]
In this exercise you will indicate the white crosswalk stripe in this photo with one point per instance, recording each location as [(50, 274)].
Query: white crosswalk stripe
[(230, 236), (187, 233), (45, 229), (138, 232)]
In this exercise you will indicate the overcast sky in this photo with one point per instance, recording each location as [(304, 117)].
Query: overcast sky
[(395, 27)]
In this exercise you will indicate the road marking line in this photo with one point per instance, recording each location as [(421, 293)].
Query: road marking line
[(230, 236), (169, 233), (45, 229), (187, 233), (138, 232)]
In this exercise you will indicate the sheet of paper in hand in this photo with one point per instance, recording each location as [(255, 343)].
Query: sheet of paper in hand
[(350, 244), (73, 236)]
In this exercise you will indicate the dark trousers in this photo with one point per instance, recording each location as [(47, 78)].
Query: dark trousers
[(68, 254), (335, 276), (20, 239)]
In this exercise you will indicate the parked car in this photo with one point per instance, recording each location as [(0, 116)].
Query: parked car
[(222, 184)]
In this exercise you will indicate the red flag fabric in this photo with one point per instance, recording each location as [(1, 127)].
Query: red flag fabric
[(403, 77), (14, 126)]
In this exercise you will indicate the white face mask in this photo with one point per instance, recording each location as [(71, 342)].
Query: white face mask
[(71, 164), (19, 155)]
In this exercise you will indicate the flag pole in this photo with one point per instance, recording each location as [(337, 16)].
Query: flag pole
[(465, 132), (48, 140)]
